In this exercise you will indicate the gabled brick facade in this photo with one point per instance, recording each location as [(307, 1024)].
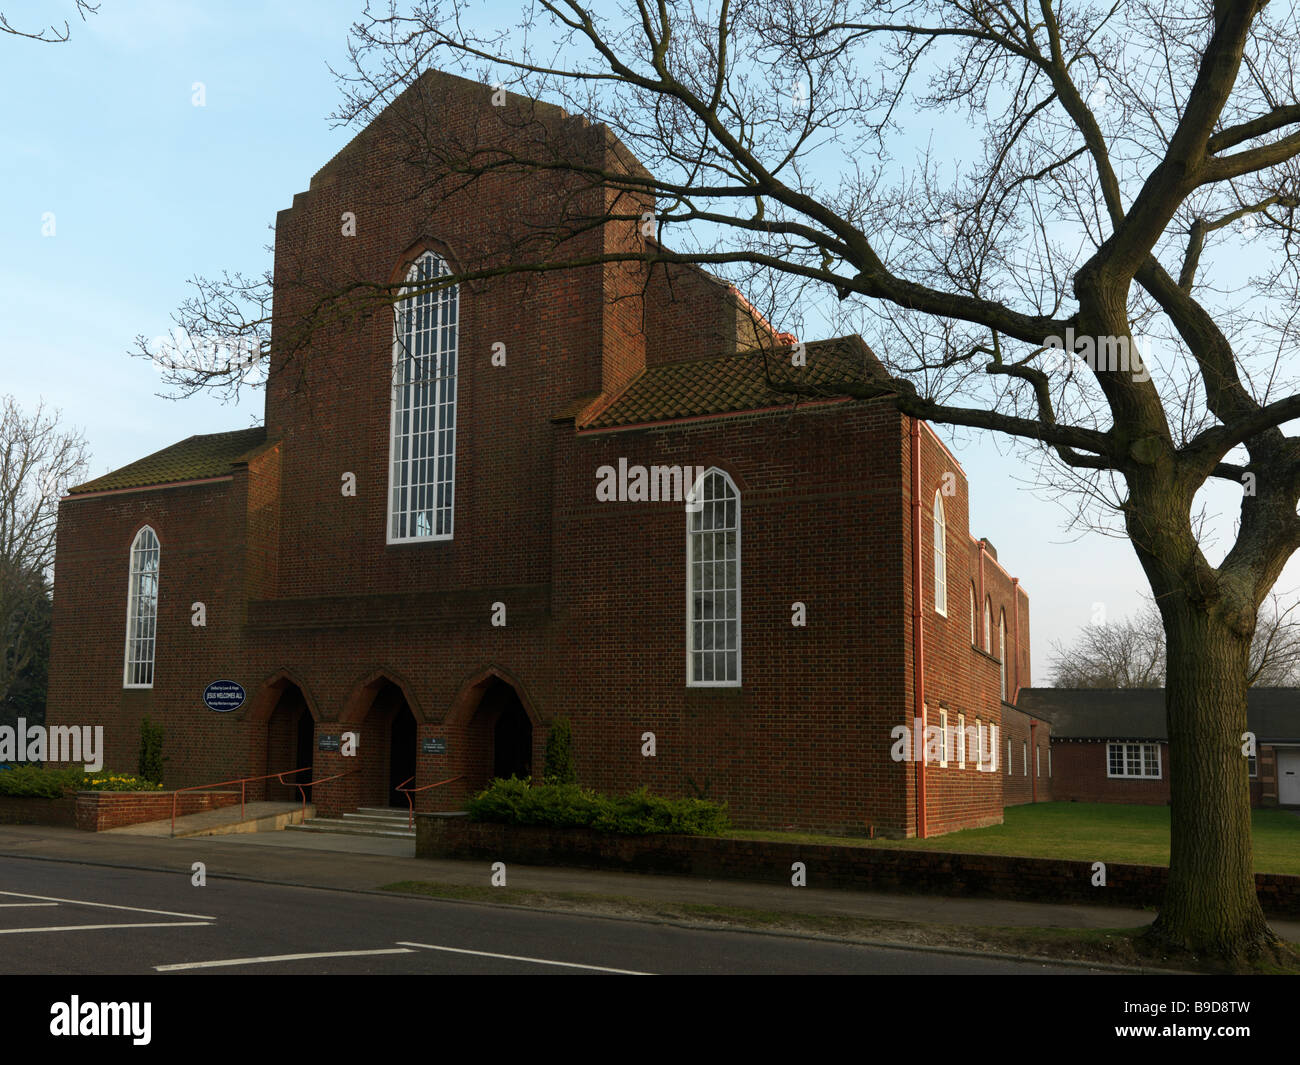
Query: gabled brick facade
[(331, 628)]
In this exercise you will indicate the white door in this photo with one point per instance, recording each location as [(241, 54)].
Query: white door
[(1288, 776)]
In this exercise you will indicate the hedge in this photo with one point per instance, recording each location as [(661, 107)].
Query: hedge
[(38, 782), (519, 802)]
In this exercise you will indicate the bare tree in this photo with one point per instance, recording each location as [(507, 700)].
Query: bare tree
[(1118, 654), (1131, 653), (38, 461), (1100, 263), (50, 34)]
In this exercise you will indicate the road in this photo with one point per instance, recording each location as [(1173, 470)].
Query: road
[(58, 918)]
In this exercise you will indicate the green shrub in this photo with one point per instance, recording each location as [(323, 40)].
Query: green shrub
[(151, 747), (35, 781), (559, 754), (516, 802), (38, 782)]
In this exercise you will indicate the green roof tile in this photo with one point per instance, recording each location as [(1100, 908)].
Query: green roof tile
[(736, 383), (193, 459)]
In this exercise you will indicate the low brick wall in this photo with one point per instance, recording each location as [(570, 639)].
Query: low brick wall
[(99, 810), (22, 810), (886, 869)]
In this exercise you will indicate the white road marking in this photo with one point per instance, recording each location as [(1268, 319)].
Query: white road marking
[(16, 905), (91, 927), (534, 961), (273, 958), (106, 905)]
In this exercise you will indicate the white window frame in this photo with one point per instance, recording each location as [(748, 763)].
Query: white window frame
[(988, 625), (441, 343), (940, 556), (1038, 759), (1252, 766), (1009, 758), (697, 507), (1002, 653), (961, 741), (979, 744), (972, 617), (1024, 758), (1141, 761), (943, 739), (143, 552)]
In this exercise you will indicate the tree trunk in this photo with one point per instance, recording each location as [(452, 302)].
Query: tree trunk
[(1210, 907)]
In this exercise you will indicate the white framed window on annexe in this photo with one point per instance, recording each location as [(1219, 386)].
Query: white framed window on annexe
[(422, 464), (142, 611), (713, 583), (1141, 760), (940, 557)]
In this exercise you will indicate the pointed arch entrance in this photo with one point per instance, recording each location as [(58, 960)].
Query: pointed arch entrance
[(499, 729), (290, 742), (386, 722)]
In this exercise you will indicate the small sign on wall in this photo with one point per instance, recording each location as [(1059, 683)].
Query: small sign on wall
[(433, 745), (223, 696), (327, 743)]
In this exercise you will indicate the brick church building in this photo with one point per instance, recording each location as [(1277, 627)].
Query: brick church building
[(562, 494)]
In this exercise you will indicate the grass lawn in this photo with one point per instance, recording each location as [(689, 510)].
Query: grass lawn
[(1086, 832)]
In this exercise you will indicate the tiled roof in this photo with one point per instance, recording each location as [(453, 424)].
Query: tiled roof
[(193, 459), (1273, 714), (737, 383)]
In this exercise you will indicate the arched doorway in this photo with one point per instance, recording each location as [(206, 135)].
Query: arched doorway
[(290, 743), (306, 752), (401, 755), (388, 743), (492, 725), (503, 732), (512, 737)]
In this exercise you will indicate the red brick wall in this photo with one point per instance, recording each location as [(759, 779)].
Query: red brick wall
[(1079, 768), (24, 810), (98, 811), (200, 535), (691, 315), (303, 589), (1032, 775), (805, 741), (959, 677), (860, 868)]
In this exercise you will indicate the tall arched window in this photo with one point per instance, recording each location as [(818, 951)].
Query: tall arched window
[(940, 557), (972, 615), (142, 611), (988, 626), (422, 469), (1002, 652), (713, 582)]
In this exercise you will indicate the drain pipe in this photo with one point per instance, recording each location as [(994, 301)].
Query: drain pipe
[(1033, 777), (918, 634), (1015, 611)]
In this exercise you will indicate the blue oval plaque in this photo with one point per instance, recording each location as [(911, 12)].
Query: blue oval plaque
[(223, 696)]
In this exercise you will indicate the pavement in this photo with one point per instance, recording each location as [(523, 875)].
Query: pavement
[(56, 919), (359, 863)]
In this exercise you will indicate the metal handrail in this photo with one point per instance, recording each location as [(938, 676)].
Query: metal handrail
[(408, 792), (241, 781), (302, 786)]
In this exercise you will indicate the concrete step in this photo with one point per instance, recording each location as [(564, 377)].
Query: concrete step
[(383, 811), (353, 828), (377, 819)]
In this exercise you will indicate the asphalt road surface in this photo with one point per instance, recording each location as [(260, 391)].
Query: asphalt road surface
[(58, 918)]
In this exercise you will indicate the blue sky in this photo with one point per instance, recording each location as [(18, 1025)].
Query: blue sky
[(148, 190)]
